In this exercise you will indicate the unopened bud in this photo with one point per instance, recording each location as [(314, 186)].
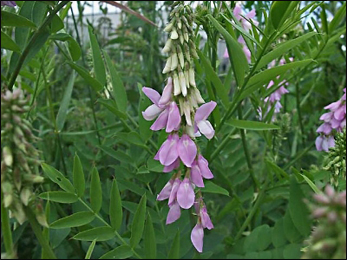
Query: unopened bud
[(181, 103), (25, 195), (179, 24), (174, 35), (7, 155), (167, 67), (174, 61), (198, 96), (186, 108), (167, 46), (192, 77), (186, 76), (177, 88), (169, 27), (183, 83)]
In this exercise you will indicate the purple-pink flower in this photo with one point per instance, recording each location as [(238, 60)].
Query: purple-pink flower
[(335, 119), (8, 3), (202, 125), (164, 108)]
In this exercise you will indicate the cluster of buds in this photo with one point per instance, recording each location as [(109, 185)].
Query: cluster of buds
[(336, 158), (333, 120), (19, 163), (328, 239), (246, 25), (177, 111)]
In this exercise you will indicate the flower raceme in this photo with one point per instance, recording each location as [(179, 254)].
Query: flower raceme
[(333, 120), (177, 111)]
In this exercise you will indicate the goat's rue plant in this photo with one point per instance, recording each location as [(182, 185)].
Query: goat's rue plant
[(208, 129)]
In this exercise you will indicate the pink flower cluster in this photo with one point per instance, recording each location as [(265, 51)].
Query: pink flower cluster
[(334, 119), (176, 149), (245, 25)]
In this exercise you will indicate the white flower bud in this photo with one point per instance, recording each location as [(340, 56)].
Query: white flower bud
[(187, 55), (179, 23), (181, 58), (167, 67), (181, 39), (174, 61), (186, 76), (25, 195), (181, 102), (183, 84), (167, 46), (177, 88), (186, 36), (186, 108), (193, 101), (7, 155), (174, 34), (169, 27), (198, 96), (190, 131), (192, 77)]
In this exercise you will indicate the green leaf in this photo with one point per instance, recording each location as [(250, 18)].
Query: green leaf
[(290, 231), (264, 77), (174, 252), (63, 12), (39, 12), (8, 43), (59, 196), (138, 222), (236, 54), (298, 209), (56, 24), (278, 237), (215, 80), (258, 240), (312, 185), (149, 239), (278, 12), (16, 20), (74, 48), (90, 249), (64, 104), (210, 187), (98, 62), (119, 92), (338, 17), (120, 252), (118, 155), (75, 220), (252, 125), (282, 49), (58, 178), (86, 76), (277, 169), (98, 233), (95, 191), (112, 106), (40, 41), (116, 211), (78, 176), (292, 251)]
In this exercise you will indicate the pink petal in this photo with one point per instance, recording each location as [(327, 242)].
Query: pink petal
[(151, 112), (237, 11), (185, 194), (172, 166), (326, 117), (174, 118), (226, 54), (204, 111), (333, 106), (174, 213), (166, 191), (197, 237), (173, 194), (319, 141), (187, 150), (251, 14), (205, 219), (206, 128), (167, 92), (324, 128), (169, 153), (340, 113), (152, 94), (161, 121), (205, 170), (195, 175), (335, 124)]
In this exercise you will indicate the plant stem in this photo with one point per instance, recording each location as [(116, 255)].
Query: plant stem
[(38, 233), (297, 94), (32, 42), (115, 231), (6, 230), (245, 148)]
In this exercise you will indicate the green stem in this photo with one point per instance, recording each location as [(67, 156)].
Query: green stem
[(245, 148), (115, 231), (251, 214), (297, 94), (6, 230), (38, 233), (32, 42)]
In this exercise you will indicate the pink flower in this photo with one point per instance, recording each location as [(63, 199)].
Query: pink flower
[(166, 110), (205, 218), (168, 153), (187, 150), (185, 194), (166, 191), (174, 213), (323, 143), (244, 22), (197, 237), (8, 3), (201, 124)]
